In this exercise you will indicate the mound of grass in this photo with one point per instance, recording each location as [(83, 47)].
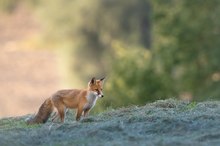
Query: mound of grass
[(164, 122)]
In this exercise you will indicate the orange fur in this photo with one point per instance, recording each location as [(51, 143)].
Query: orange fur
[(81, 99)]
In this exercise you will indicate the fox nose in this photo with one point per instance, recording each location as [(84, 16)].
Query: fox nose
[(102, 96)]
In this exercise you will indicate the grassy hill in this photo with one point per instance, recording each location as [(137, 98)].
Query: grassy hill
[(164, 122)]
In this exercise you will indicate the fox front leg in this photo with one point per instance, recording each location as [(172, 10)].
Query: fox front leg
[(79, 114), (86, 112)]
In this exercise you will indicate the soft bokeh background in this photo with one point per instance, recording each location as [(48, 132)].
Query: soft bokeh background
[(148, 50)]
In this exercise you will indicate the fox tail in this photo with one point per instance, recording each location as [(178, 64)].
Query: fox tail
[(43, 113)]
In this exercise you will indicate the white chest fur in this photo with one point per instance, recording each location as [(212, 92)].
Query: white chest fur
[(91, 98)]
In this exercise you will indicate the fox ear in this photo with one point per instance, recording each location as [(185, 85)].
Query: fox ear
[(102, 79), (93, 80)]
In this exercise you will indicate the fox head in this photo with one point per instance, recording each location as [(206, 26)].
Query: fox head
[(96, 86)]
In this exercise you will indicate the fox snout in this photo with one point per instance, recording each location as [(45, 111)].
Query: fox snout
[(99, 94)]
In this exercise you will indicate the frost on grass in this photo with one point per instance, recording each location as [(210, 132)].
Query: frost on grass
[(164, 122)]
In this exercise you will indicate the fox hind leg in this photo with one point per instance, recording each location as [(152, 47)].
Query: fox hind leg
[(54, 116), (61, 113)]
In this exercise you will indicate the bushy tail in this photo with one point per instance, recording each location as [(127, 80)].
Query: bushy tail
[(43, 113)]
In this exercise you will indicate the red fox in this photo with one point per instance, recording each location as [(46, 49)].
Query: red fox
[(81, 99)]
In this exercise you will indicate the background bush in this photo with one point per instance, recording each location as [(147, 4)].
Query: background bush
[(148, 49)]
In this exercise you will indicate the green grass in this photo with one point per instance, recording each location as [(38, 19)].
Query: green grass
[(164, 122)]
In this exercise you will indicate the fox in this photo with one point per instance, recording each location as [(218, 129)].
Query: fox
[(81, 99)]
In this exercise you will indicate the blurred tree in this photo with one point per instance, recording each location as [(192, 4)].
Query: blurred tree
[(133, 79), (114, 36), (184, 59), (91, 26), (184, 50), (186, 44)]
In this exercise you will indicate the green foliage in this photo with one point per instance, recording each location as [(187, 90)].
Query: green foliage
[(133, 79), (183, 58), (187, 46), (191, 105), (114, 38), (91, 26)]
